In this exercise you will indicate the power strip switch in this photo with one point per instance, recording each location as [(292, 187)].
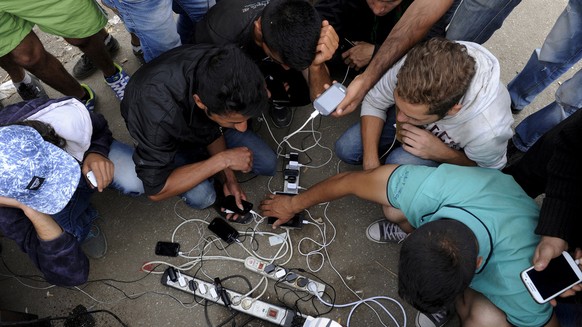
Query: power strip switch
[(288, 278), (214, 292)]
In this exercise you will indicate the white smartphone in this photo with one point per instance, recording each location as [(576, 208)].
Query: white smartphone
[(91, 178), (561, 274), (327, 102)]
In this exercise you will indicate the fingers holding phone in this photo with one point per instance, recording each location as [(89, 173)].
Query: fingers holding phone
[(560, 275)]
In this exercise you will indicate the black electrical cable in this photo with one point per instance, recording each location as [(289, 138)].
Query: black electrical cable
[(48, 319), (233, 314)]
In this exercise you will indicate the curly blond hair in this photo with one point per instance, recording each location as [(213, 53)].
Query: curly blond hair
[(436, 73)]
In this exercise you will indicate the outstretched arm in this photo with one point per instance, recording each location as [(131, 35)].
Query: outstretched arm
[(368, 185), (415, 23)]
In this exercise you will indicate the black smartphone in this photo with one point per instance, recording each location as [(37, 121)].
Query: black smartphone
[(295, 223), (222, 229), (168, 249), (229, 203), (277, 89)]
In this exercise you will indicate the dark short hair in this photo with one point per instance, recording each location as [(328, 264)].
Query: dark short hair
[(291, 30), (227, 81), (437, 264)]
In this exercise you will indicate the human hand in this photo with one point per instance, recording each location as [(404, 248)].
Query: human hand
[(102, 168), (359, 56), (279, 206), (422, 143), (548, 248), (575, 288), (326, 45), (240, 159), (232, 187), (355, 93)]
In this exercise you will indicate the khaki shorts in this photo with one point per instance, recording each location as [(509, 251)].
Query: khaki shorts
[(66, 18)]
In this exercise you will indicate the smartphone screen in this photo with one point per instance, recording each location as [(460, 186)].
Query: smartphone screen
[(230, 204), (223, 230), (558, 276), (328, 101), (168, 249)]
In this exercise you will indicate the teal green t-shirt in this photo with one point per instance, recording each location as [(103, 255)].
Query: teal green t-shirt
[(500, 214)]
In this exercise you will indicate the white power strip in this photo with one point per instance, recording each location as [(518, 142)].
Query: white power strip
[(283, 276), (262, 310)]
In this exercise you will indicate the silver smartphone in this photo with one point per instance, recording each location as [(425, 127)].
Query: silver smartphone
[(327, 102), (560, 275)]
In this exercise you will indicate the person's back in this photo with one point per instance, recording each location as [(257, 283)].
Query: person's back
[(170, 79), (499, 214)]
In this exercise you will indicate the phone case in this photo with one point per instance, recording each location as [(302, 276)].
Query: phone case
[(229, 203), (167, 249), (222, 229)]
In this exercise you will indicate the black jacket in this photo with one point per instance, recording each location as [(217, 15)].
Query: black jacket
[(161, 115), (552, 166)]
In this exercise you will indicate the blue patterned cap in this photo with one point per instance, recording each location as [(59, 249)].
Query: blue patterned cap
[(34, 172)]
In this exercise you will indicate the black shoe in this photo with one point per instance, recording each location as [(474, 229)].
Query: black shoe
[(281, 116), (85, 67), (33, 90)]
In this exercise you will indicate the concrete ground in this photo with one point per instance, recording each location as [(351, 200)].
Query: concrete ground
[(350, 264)]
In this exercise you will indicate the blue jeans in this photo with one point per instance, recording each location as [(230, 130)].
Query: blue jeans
[(190, 12), (78, 216), (349, 147), (153, 21), (560, 51), (568, 100), (477, 20), (202, 195)]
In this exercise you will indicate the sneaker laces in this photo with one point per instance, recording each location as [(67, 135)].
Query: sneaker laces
[(439, 316), (392, 232)]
